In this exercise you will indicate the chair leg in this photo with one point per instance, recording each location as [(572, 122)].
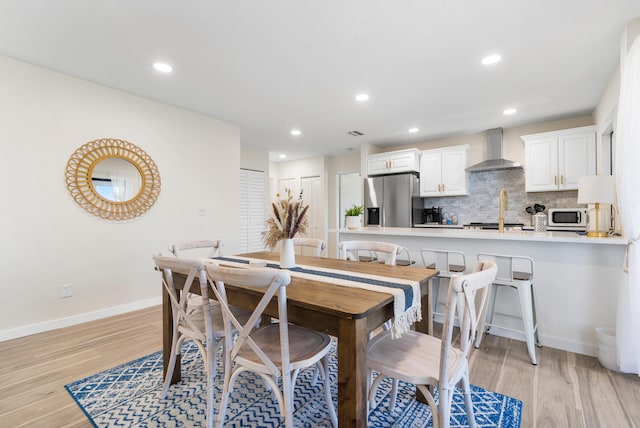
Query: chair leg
[(327, 391), (535, 317), (172, 361), (444, 407), (466, 388), (524, 292), (394, 394)]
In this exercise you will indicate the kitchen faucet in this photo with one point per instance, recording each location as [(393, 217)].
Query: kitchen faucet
[(504, 206)]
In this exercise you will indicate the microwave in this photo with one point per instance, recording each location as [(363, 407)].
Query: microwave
[(568, 217)]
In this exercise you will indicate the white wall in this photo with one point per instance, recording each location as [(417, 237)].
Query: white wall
[(47, 240)]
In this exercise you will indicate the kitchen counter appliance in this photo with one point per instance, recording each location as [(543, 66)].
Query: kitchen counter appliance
[(568, 217), (392, 200), (432, 215)]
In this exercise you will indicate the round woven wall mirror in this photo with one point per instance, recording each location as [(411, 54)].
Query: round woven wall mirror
[(113, 179)]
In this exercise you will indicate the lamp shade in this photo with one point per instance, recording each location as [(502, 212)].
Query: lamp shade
[(597, 189)]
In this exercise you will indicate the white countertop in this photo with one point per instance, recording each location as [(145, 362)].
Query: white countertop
[(568, 237)]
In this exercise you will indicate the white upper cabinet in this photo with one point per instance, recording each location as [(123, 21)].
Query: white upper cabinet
[(393, 162), (442, 172), (556, 160)]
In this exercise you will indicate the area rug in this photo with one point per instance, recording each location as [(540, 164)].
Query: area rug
[(129, 396)]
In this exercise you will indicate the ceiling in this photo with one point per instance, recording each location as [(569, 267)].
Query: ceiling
[(272, 66)]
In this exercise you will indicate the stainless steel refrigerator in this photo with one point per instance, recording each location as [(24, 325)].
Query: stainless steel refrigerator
[(392, 200)]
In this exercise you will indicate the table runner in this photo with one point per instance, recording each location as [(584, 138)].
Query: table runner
[(406, 293)]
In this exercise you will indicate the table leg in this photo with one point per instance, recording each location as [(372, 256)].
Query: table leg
[(352, 373), (426, 326), (167, 337)]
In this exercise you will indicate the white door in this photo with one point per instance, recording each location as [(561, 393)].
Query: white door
[(288, 183), (312, 195)]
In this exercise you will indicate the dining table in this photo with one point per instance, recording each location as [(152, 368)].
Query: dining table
[(347, 313)]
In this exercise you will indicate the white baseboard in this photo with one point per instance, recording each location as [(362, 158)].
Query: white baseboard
[(550, 341), (41, 327)]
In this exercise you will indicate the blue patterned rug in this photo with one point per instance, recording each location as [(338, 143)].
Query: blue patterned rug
[(129, 396)]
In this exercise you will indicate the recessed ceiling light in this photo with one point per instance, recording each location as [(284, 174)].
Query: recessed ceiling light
[(282, 156), (362, 97), (295, 132), (162, 67), (413, 130), (491, 59), (509, 111)]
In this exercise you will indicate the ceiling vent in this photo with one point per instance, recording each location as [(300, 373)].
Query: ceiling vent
[(355, 133), (494, 154)]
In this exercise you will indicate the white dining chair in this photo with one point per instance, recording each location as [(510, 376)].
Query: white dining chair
[(311, 245), (273, 351), (203, 324), (197, 248), (350, 250), (426, 360)]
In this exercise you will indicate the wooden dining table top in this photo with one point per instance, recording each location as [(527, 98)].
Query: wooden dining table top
[(338, 300)]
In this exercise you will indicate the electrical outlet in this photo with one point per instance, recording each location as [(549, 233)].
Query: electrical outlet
[(66, 291)]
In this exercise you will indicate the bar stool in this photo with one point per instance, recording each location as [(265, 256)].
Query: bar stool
[(522, 281), (447, 262), (402, 261)]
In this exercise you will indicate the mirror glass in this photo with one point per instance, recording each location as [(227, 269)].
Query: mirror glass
[(116, 179)]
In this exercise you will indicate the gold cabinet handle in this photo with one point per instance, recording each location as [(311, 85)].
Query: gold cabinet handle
[(562, 179), (443, 187), (555, 180)]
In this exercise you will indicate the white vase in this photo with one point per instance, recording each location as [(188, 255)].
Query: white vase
[(287, 254), (353, 222)]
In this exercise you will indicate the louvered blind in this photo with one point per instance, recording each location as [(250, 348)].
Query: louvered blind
[(252, 209)]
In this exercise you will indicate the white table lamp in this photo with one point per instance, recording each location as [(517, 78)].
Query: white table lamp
[(597, 189)]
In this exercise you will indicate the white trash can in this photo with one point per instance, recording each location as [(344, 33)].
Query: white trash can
[(606, 345)]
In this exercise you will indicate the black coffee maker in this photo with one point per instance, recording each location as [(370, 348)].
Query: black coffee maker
[(432, 215)]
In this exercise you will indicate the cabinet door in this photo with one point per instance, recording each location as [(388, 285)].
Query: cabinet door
[(430, 173), (454, 177), (377, 164), (541, 173), (402, 162), (576, 158)]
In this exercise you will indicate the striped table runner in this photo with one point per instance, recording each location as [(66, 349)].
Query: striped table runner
[(406, 293)]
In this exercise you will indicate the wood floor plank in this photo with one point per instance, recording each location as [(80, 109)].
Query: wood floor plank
[(601, 404), (563, 390), (557, 403)]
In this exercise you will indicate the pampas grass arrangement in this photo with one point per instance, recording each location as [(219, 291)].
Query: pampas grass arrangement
[(287, 220)]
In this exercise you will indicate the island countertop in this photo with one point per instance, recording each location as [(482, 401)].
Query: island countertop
[(559, 237), (577, 278)]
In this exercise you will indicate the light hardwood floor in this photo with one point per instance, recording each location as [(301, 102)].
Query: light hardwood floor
[(563, 390)]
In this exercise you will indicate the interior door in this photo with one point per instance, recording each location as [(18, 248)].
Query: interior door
[(312, 195)]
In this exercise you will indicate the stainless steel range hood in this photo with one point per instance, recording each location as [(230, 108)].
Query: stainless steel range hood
[(494, 154)]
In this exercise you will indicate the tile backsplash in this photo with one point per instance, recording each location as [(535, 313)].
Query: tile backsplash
[(482, 203)]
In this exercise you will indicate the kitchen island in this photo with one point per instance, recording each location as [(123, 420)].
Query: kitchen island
[(576, 277)]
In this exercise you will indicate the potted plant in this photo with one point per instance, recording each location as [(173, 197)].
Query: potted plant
[(352, 217)]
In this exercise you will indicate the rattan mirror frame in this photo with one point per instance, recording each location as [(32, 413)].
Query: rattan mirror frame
[(78, 177)]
